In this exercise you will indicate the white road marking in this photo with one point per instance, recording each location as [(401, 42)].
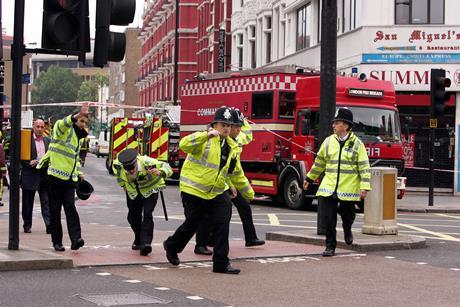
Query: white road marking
[(162, 288), (273, 219), (448, 215), (422, 263), (454, 269), (437, 234), (351, 255), (103, 274), (132, 281), (389, 257), (194, 298)]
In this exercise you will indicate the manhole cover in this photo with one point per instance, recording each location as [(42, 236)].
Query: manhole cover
[(123, 299)]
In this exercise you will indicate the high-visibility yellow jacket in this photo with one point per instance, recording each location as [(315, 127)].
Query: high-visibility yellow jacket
[(145, 183), (346, 170), (62, 156), (200, 175), (237, 177)]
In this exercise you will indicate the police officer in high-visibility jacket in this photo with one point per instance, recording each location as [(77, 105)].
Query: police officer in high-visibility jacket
[(63, 163), (240, 190), (344, 161), (211, 156), (241, 132), (142, 179)]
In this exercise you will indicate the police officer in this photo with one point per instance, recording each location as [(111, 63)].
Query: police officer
[(142, 178), (63, 164), (241, 132), (344, 161), (204, 189), (240, 190)]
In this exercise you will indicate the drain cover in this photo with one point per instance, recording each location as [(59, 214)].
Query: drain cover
[(123, 299)]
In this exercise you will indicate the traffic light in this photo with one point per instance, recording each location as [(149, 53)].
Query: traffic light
[(439, 82), (110, 46), (66, 25)]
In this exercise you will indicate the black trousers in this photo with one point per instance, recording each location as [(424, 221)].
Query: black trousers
[(196, 209), (140, 217), (331, 207), (203, 233), (28, 197), (62, 194)]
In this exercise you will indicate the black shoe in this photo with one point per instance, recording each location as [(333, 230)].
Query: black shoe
[(228, 270), (255, 242), (77, 244), (27, 230), (329, 252), (145, 250), (202, 250), (348, 236), (58, 247), (170, 255), (135, 246), (48, 230), (1, 204)]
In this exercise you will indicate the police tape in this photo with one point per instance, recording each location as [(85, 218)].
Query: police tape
[(435, 169)]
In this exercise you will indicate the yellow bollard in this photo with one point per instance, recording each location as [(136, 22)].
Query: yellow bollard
[(26, 143)]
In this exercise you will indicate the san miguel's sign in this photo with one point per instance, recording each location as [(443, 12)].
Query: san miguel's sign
[(412, 45), (415, 39)]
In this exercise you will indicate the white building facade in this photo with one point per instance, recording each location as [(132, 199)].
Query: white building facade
[(397, 40)]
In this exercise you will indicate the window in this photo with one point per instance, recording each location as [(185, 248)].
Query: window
[(419, 11), (303, 28), (262, 105), (240, 58), (311, 119), (252, 45), (286, 104)]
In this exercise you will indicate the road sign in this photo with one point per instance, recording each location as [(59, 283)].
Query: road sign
[(433, 123)]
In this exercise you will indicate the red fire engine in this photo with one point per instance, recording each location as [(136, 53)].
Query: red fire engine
[(124, 133), (283, 109), (160, 140)]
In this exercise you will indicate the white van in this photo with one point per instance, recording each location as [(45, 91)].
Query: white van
[(102, 144)]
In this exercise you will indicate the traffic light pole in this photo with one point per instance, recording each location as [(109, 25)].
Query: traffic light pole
[(431, 164), (328, 80), (17, 54)]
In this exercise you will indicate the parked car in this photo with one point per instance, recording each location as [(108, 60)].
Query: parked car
[(102, 144)]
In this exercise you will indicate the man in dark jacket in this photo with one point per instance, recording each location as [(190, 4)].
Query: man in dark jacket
[(33, 179)]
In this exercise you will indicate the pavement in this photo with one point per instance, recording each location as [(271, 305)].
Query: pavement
[(114, 247)]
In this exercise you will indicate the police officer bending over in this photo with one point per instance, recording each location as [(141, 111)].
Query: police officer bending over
[(142, 178), (204, 189), (344, 161)]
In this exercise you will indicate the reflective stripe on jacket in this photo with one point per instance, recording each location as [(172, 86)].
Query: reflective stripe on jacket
[(352, 170), (62, 156), (200, 175), (145, 183)]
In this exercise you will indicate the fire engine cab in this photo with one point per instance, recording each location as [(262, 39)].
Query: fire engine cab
[(283, 110)]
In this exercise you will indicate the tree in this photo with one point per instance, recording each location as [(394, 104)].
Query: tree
[(55, 85), (88, 91)]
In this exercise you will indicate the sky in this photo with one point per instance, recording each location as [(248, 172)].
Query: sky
[(33, 19)]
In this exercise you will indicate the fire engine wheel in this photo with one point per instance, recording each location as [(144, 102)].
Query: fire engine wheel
[(293, 193)]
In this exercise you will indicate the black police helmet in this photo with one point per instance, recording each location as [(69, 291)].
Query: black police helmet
[(223, 115), (238, 117), (84, 189), (128, 158), (345, 115)]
